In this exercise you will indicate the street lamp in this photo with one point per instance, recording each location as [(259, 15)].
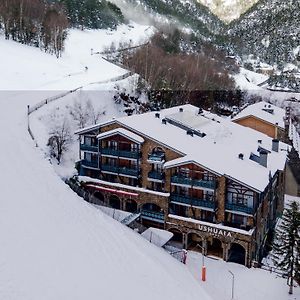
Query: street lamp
[(232, 286)]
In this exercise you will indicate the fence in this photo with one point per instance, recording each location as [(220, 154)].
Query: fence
[(37, 106)]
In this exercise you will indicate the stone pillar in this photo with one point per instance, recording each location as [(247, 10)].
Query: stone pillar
[(123, 203), (226, 248), (184, 240), (221, 198)]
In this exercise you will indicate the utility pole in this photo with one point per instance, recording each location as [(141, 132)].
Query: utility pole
[(232, 286)]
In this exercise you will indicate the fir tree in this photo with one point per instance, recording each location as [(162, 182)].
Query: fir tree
[(287, 243)]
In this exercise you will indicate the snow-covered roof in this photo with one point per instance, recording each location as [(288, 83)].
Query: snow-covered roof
[(264, 111), (123, 132), (218, 150), (92, 127)]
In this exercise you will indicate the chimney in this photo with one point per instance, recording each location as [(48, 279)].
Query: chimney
[(263, 157), (164, 121), (275, 145), (157, 115), (180, 109), (241, 156), (200, 111)]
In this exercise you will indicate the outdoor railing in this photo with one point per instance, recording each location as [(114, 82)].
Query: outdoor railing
[(120, 153), (193, 201), (210, 184), (240, 208)]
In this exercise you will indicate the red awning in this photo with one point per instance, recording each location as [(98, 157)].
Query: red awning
[(104, 189)]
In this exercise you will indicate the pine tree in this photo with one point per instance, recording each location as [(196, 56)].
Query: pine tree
[(286, 248)]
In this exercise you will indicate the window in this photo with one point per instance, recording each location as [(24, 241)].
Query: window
[(157, 168), (134, 147), (184, 191), (133, 164), (207, 176), (88, 156), (184, 172), (240, 196), (209, 195), (113, 145), (88, 140), (238, 219)]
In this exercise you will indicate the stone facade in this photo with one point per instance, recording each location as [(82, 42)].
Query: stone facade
[(203, 203)]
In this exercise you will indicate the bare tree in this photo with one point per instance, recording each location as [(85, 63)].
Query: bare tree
[(79, 112), (84, 113), (94, 114), (60, 135)]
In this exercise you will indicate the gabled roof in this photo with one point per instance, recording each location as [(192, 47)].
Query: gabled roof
[(264, 111), (123, 132), (214, 142)]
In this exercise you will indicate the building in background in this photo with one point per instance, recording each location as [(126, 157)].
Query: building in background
[(263, 117), (208, 180)]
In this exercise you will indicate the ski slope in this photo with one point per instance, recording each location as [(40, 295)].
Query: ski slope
[(53, 245)]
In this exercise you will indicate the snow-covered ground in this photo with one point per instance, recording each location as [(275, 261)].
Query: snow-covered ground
[(249, 284), (53, 245), (28, 68)]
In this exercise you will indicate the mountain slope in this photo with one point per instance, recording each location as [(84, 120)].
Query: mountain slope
[(189, 14), (269, 30), (228, 10)]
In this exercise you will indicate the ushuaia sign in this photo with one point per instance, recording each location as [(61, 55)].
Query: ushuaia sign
[(215, 231)]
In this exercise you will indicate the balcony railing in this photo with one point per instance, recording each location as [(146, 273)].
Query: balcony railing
[(209, 184), (90, 148), (120, 170), (120, 153), (193, 201), (156, 156), (153, 216), (90, 164), (240, 208), (156, 175)]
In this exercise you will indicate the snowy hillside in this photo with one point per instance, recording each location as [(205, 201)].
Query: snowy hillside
[(37, 70), (53, 245)]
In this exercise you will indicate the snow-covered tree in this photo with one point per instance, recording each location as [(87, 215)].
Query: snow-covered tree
[(286, 247), (84, 113), (60, 134)]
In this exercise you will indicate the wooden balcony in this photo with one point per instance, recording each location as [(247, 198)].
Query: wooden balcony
[(89, 164), (208, 184), (89, 148), (156, 175), (120, 153), (239, 208), (187, 200), (120, 170)]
